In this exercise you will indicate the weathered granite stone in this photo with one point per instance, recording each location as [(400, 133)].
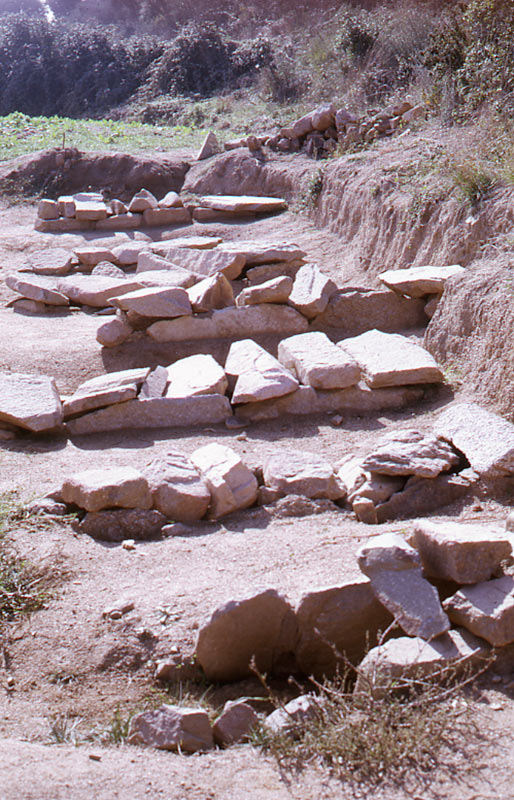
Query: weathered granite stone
[(31, 402), (172, 728), (299, 473), (232, 484), (317, 362), (114, 487), (259, 375), (178, 490)]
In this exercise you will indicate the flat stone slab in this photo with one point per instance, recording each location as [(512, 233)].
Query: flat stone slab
[(411, 452), (120, 222), (95, 290), (148, 263), (419, 281), (259, 375), (91, 256), (317, 362), (276, 290), (460, 551), (257, 252), (31, 402), (189, 242), (156, 302), (175, 276), (155, 412), (196, 375), (261, 627), (486, 439), (486, 609), (394, 570), (90, 210), (36, 288), (105, 390), (303, 474), (243, 204), (311, 291), (388, 359), (354, 311), (337, 622), (232, 484), (414, 658), (164, 217), (207, 262), (127, 254), (231, 323), (52, 261), (115, 487)]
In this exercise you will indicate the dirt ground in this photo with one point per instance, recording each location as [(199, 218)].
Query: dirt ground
[(68, 661)]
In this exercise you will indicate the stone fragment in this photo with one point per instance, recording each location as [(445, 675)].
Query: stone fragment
[(311, 291), (38, 289), (157, 302), (66, 205), (303, 126), (425, 495), (486, 609), (363, 484), (196, 375), (460, 552), (259, 375), (170, 239), (257, 252), (233, 485), (91, 256), (344, 118), (172, 728), (243, 204), (388, 359), (210, 147), (178, 491), (413, 658), (276, 290), (25, 306), (115, 387), (211, 293), (294, 714), (126, 255), (120, 222), (207, 262), (156, 412), (142, 201), (353, 311), (121, 524), (155, 383), (118, 207), (108, 269), (89, 209), (170, 200), (95, 290), (262, 627), (269, 272), (114, 332), (166, 216), (231, 323), (394, 570), (419, 281), (31, 402), (410, 452), (317, 362), (338, 625), (48, 209), (486, 439), (52, 261), (235, 723), (306, 474), (115, 487)]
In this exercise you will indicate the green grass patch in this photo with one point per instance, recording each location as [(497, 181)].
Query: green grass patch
[(21, 134)]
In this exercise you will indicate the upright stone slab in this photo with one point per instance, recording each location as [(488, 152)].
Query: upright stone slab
[(177, 489), (259, 375), (196, 375), (311, 291), (210, 147), (486, 439), (419, 281), (211, 293), (317, 362), (31, 402), (232, 485), (460, 551), (338, 623), (260, 627), (388, 359), (394, 570), (306, 474)]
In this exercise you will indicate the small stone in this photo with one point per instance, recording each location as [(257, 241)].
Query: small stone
[(235, 723), (276, 290), (311, 291), (141, 201), (486, 609), (114, 332), (172, 728), (232, 485), (48, 209), (295, 713), (170, 200), (210, 147), (128, 544), (259, 375)]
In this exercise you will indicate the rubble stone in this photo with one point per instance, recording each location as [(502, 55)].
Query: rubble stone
[(98, 489), (305, 474), (311, 291), (31, 402), (172, 728), (178, 491), (486, 609), (259, 375), (196, 375), (317, 362)]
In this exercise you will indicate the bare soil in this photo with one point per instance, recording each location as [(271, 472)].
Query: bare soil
[(67, 660)]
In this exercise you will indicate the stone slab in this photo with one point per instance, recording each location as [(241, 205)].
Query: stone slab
[(155, 302), (31, 402), (354, 311), (419, 281), (232, 484), (276, 290), (318, 362), (196, 375), (259, 376), (95, 290), (304, 474), (486, 609), (311, 291), (243, 204), (104, 390), (258, 252), (36, 288)]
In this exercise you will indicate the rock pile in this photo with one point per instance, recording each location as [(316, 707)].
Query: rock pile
[(321, 131), (88, 211)]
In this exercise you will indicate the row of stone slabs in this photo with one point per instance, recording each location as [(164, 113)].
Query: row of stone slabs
[(375, 367)]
